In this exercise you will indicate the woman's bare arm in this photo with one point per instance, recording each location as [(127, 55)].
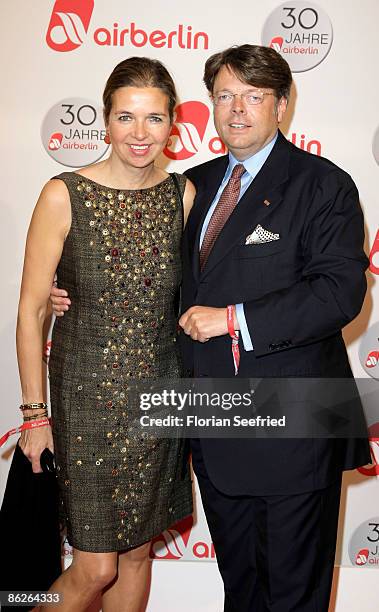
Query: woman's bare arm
[(47, 232)]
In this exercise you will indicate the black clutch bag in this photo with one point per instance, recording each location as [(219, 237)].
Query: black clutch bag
[(29, 527)]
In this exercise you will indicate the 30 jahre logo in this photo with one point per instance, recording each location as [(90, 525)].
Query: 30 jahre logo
[(73, 132), (364, 544), (302, 33), (369, 351)]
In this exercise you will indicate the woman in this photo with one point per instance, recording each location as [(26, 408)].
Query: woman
[(112, 231)]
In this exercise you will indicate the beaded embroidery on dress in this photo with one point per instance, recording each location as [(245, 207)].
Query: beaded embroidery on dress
[(121, 267)]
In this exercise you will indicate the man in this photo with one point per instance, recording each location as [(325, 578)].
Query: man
[(274, 242), (283, 247)]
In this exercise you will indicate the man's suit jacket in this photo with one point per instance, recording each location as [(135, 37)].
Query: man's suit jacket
[(298, 292)]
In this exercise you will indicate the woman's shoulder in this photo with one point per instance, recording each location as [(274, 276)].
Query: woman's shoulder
[(55, 190), (53, 208)]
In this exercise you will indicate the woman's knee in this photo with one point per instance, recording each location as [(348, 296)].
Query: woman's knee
[(136, 556), (96, 570)]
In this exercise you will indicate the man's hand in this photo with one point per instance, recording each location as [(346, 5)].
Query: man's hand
[(59, 300), (205, 322)]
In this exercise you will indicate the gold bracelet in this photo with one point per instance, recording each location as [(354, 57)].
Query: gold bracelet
[(34, 417), (33, 406)]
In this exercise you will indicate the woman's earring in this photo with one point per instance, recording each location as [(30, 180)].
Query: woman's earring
[(107, 139)]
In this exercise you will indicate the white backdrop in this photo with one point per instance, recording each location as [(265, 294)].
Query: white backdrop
[(56, 54)]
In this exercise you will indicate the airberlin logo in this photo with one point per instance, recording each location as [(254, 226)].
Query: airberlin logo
[(374, 255), (55, 141), (70, 21), (69, 24), (372, 359), (174, 544), (362, 557), (373, 469), (277, 44), (187, 134), (191, 120)]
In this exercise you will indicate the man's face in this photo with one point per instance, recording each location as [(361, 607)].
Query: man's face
[(245, 129)]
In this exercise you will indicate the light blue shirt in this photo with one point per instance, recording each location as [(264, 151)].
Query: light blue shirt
[(252, 166)]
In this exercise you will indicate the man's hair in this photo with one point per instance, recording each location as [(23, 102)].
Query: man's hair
[(253, 64)]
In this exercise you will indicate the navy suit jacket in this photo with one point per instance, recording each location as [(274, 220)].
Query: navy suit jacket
[(298, 293)]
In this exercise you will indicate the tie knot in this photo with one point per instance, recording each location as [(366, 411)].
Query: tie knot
[(238, 171)]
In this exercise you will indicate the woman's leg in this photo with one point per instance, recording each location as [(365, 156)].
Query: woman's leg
[(79, 584), (129, 591)]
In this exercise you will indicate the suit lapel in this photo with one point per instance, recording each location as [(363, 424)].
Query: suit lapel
[(252, 207)]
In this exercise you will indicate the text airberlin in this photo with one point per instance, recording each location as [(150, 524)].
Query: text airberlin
[(119, 36)]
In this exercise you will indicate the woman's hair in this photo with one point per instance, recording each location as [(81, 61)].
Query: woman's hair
[(139, 72), (254, 65)]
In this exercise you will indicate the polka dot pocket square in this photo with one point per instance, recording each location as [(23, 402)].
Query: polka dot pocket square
[(260, 235)]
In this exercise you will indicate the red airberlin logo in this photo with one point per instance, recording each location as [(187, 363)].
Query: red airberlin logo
[(373, 469), (374, 255), (69, 24), (372, 359), (276, 44), (188, 130), (172, 543), (70, 21), (55, 141), (362, 557)]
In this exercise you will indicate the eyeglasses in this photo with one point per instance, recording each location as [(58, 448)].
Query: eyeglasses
[(251, 98)]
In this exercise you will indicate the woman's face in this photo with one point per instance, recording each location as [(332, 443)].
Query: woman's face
[(139, 124)]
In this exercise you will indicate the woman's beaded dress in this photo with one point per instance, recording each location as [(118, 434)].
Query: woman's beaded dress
[(122, 270)]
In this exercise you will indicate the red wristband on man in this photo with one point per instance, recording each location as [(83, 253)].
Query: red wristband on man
[(230, 310)]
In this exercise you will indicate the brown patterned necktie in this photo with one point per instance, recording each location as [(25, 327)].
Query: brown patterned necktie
[(221, 213)]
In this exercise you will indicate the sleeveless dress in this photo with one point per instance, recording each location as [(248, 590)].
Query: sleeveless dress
[(121, 267)]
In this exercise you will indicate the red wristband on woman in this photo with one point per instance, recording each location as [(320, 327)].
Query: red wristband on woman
[(30, 425)]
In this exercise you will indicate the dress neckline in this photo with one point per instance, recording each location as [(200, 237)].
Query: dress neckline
[(85, 178)]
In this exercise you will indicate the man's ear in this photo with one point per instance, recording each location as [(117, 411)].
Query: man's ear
[(281, 108)]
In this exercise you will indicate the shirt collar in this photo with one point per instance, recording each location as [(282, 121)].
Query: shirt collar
[(254, 163)]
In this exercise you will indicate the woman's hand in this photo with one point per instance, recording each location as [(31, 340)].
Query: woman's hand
[(33, 441), (59, 300)]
